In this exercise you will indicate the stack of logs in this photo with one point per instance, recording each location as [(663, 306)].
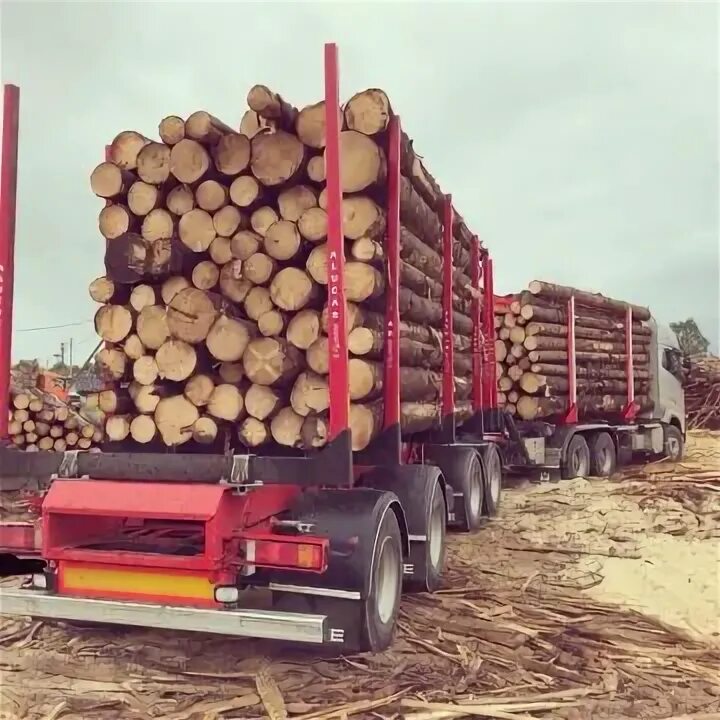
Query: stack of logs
[(702, 392), (214, 300), (38, 422), (532, 353)]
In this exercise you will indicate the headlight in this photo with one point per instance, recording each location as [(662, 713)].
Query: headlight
[(226, 594)]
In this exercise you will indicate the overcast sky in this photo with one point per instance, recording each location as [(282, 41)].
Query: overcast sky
[(579, 140)]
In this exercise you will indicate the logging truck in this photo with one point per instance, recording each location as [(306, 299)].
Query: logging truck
[(340, 499)]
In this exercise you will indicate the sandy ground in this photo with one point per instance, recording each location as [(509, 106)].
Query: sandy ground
[(584, 599)]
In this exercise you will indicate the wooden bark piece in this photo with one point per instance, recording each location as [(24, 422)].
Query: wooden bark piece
[(276, 157)]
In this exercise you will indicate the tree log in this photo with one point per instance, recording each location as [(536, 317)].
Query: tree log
[(310, 125), (175, 417), (233, 285), (593, 300), (231, 373), (530, 407), (245, 191), (113, 323), (294, 201), (310, 394), (176, 360), (316, 169), (143, 198), (271, 323), (180, 200), (226, 403), (196, 230), (416, 384), (220, 249), (227, 221), (363, 342), (244, 244), (115, 221), (172, 286), (189, 161), (205, 275), (205, 431), (362, 217), (262, 402), (104, 290), (198, 389), (206, 129), (117, 428), (303, 329), (259, 268), (153, 163), (112, 362), (133, 347), (368, 112), (191, 314), (271, 106), (109, 181), (262, 219), (363, 162), (292, 289), (228, 338), (253, 432), (125, 148), (540, 342), (602, 358), (286, 427), (313, 224), (269, 361), (232, 154), (257, 303), (171, 129), (282, 240), (276, 158), (144, 295), (143, 429), (588, 372), (152, 326), (211, 195), (555, 330)]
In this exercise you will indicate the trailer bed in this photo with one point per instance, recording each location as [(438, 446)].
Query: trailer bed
[(523, 623)]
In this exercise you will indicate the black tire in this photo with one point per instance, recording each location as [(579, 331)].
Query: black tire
[(382, 604), (577, 459), (492, 477), (674, 443), (603, 456), (464, 473)]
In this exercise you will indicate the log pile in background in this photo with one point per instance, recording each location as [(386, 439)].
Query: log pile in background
[(39, 422), (531, 351), (702, 392), (214, 293)]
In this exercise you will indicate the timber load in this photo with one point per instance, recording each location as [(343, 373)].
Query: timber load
[(213, 302), (531, 350), (38, 422)]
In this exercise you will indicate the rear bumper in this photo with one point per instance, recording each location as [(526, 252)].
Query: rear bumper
[(266, 624)]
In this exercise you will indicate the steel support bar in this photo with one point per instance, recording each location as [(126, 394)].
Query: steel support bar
[(571, 416)]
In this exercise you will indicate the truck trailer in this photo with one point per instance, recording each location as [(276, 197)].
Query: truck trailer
[(311, 547)]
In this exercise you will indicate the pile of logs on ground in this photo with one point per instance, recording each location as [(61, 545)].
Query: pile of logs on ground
[(41, 422), (214, 293), (532, 353), (702, 392)]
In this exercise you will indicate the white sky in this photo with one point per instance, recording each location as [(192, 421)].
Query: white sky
[(580, 140)]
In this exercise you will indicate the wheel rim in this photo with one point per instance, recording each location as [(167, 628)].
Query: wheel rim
[(605, 458), (388, 580), (475, 499), (673, 448), (580, 463), (437, 526)]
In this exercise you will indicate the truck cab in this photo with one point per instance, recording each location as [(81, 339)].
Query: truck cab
[(667, 394)]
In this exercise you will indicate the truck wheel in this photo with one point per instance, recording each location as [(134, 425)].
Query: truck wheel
[(674, 443), (493, 480), (464, 473), (434, 545), (603, 457), (577, 459), (383, 601)]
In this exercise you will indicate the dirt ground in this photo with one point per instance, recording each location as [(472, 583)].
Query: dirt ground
[(584, 599)]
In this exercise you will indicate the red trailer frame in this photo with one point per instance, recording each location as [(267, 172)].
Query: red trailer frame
[(250, 513)]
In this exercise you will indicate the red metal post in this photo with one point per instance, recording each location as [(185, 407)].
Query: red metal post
[(8, 198), (448, 385), (571, 416), (337, 335), (392, 309), (477, 334), (489, 385), (631, 407)]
